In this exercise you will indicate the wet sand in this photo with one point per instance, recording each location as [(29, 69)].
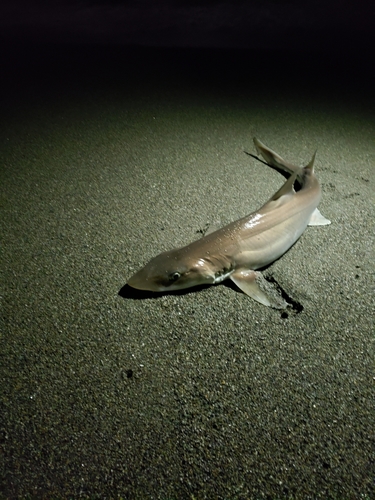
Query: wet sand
[(109, 157)]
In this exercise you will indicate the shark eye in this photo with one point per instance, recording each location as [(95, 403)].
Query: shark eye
[(174, 276)]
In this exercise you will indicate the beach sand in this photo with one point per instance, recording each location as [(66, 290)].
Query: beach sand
[(110, 156)]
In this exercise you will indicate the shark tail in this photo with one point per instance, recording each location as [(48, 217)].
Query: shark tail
[(275, 161)]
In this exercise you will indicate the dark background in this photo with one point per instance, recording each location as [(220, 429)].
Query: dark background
[(281, 24), (48, 45)]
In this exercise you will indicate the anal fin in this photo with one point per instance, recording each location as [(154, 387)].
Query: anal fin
[(317, 219)]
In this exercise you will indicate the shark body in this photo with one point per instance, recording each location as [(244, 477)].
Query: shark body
[(237, 250)]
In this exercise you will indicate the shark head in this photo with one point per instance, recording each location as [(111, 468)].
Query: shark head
[(173, 270)]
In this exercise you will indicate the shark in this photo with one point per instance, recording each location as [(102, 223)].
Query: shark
[(240, 249)]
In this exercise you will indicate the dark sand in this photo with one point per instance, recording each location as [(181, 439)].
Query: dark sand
[(108, 158)]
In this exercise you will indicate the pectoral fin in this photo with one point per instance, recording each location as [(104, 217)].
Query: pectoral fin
[(258, 288)]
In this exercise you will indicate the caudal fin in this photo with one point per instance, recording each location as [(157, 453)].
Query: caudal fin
[(273, 159)]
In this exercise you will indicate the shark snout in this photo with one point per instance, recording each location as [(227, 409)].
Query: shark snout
[(140, 281)]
